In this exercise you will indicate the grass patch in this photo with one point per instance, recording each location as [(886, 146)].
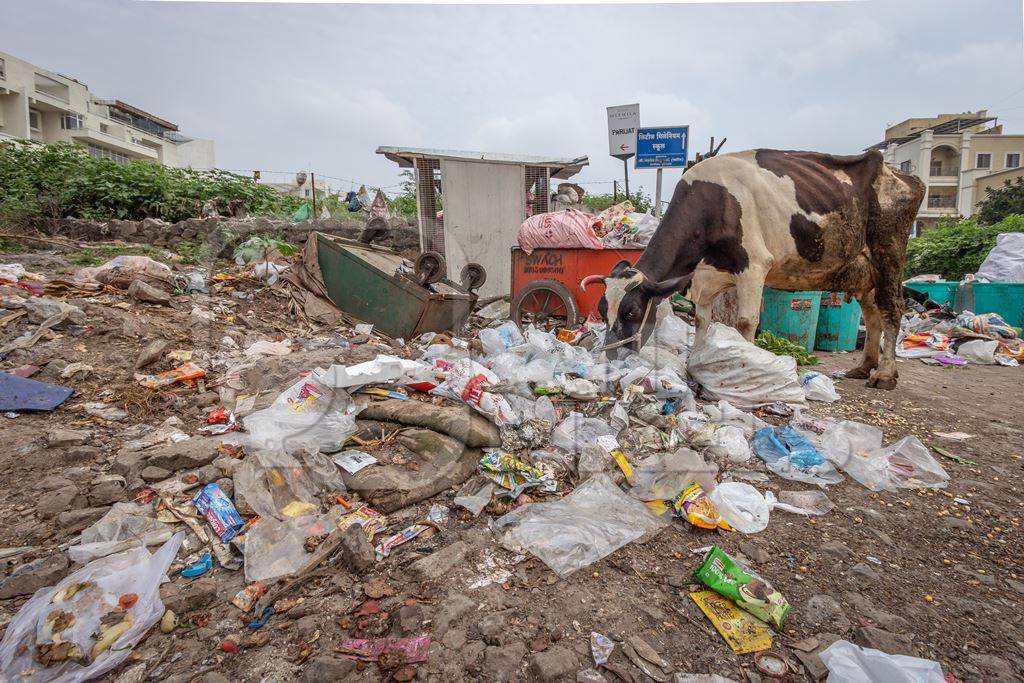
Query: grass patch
[(97, 256), (11, 246), (194, 252)]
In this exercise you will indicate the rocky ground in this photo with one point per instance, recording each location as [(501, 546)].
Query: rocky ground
[(934, 574)]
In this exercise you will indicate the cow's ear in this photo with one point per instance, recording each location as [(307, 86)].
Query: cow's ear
[(666, 287), (620, 268)]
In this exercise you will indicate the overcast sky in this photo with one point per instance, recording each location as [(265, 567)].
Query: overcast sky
[(287, 87)]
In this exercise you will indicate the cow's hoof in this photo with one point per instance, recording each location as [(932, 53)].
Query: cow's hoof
[(887, 383), (858, 373)]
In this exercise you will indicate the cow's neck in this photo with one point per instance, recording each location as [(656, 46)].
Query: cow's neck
[(670, 252)]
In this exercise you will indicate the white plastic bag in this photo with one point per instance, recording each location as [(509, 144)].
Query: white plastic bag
[(577, 431), (849, 663), (499, 339), (727, 414), (306, 413), (133, 571), (979, 351), (575, 387), (742, 506), (1005, 263), (276, 547), (731, 368), (125, 526), (590, 523), (467, 381), (857, 449), (673, 333), (728, 442), (383, 368), (819, 387)]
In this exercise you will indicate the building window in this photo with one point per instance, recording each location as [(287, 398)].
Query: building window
[(72, 121), (905, 166), (34, 119), (3, 72), (103, 128), (984, 160), (104, 153), (1013, 160)]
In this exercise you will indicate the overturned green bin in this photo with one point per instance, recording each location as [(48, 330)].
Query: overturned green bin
[(368, 283)]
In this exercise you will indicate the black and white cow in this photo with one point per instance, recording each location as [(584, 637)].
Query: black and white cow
[(788, 220)]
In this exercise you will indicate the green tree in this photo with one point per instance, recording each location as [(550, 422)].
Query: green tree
[(956, 247), (642, 202), (405, 203), (1002, 202)]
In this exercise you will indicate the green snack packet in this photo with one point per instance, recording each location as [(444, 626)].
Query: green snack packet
[(750, 592)]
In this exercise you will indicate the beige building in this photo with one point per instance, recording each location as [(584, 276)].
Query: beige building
[(48, 107), (957, 156)]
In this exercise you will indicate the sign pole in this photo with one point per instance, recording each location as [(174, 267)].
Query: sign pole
[(312, 182), (657, 196), (615, 191), (625, 168)]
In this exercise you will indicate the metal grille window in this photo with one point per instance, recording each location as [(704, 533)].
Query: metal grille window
[(984, 160), (1013, 160), (34, 119), (72, 121), (429, 200), (538, 190), (104, 153)]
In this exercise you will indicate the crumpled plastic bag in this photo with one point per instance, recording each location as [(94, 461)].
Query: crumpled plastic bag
[(577, 431), (819, 387), (849, 663), (745, 508), (125, 525), (308, 413), (275, 547), (590, 523), (731, 368), (857, 449), (662, 476), (979, 351), (499, 339), (133, 571), (726, 413), (789, 454), (467, 381), (475, 494), (274, 483)]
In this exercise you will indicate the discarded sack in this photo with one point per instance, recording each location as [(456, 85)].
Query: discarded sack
[(854, 664), (731, 368), (566, 229)]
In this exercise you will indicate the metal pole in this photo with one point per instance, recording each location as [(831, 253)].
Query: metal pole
[(615, 192), (657, 196), (625, 168), (312, 181)]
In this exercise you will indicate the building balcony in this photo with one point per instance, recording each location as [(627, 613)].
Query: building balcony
[(944, 171), (85, 136), (941, 202)]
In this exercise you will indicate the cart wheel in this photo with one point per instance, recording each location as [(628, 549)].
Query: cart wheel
[(545, 303), (430, 267), (473, 276)]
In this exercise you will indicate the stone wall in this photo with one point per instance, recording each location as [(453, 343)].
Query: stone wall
[(222, 232)]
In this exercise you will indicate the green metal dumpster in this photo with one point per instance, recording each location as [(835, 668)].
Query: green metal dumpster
[(838, 322), (941, 292), (1004, 298), (365, 282), (793, 315)]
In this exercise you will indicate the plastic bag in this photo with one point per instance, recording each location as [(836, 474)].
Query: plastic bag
[(107, 579), (499, 339), (789, 454), (819, 387), (267, 482), (275, 547), (590, 523), (979, 351), (1005, 263), (580, 389), (726, 413), (849, 663), (577, 431), (467, 381), (742, 506), (306, 413), (475, 494), (728, 442), (674, 333), (857, 449), (661, 476), (125, 526), (811, 502), (731, 368)]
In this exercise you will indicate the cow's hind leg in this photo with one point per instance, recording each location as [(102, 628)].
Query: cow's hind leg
[(872, 339), (890, 308)]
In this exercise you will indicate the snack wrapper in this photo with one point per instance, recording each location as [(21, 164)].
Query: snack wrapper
[(693, 504), (219, 511), (513, 474), (751, 593)]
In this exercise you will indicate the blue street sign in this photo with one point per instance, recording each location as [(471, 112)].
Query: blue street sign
[(662, 147)]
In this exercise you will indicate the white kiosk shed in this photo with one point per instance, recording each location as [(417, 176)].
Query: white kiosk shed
[(470, 204)]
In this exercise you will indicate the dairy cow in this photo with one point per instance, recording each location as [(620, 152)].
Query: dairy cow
[(783, 219)]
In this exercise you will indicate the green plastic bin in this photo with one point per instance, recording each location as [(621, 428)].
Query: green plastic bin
[(941, 292), (838, 322), (1004, 298), (793, 315)]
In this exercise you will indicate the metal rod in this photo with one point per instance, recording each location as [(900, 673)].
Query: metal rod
[(625, 168), (312, 181), (615, 192), (657, 196)]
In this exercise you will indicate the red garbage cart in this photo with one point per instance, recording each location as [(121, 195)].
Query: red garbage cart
[(546, 284)]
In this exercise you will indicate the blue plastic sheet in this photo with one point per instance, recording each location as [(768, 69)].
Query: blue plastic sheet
[(773, 443), (21, 393)]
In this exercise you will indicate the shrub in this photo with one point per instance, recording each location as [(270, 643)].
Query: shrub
[(642, 202), (956, 247)]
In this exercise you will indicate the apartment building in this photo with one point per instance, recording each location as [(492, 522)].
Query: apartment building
[(42, 105), (957, 156)]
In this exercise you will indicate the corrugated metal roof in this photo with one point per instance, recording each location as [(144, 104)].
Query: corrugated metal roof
[(561, 167)]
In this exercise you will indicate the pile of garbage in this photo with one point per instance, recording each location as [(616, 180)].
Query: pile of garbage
[(619, 226), (939, 337), (573, 456)]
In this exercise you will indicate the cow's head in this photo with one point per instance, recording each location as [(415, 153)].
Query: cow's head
[(629, 305)]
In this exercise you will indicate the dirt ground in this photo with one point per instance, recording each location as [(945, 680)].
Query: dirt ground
[(934, 574)]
